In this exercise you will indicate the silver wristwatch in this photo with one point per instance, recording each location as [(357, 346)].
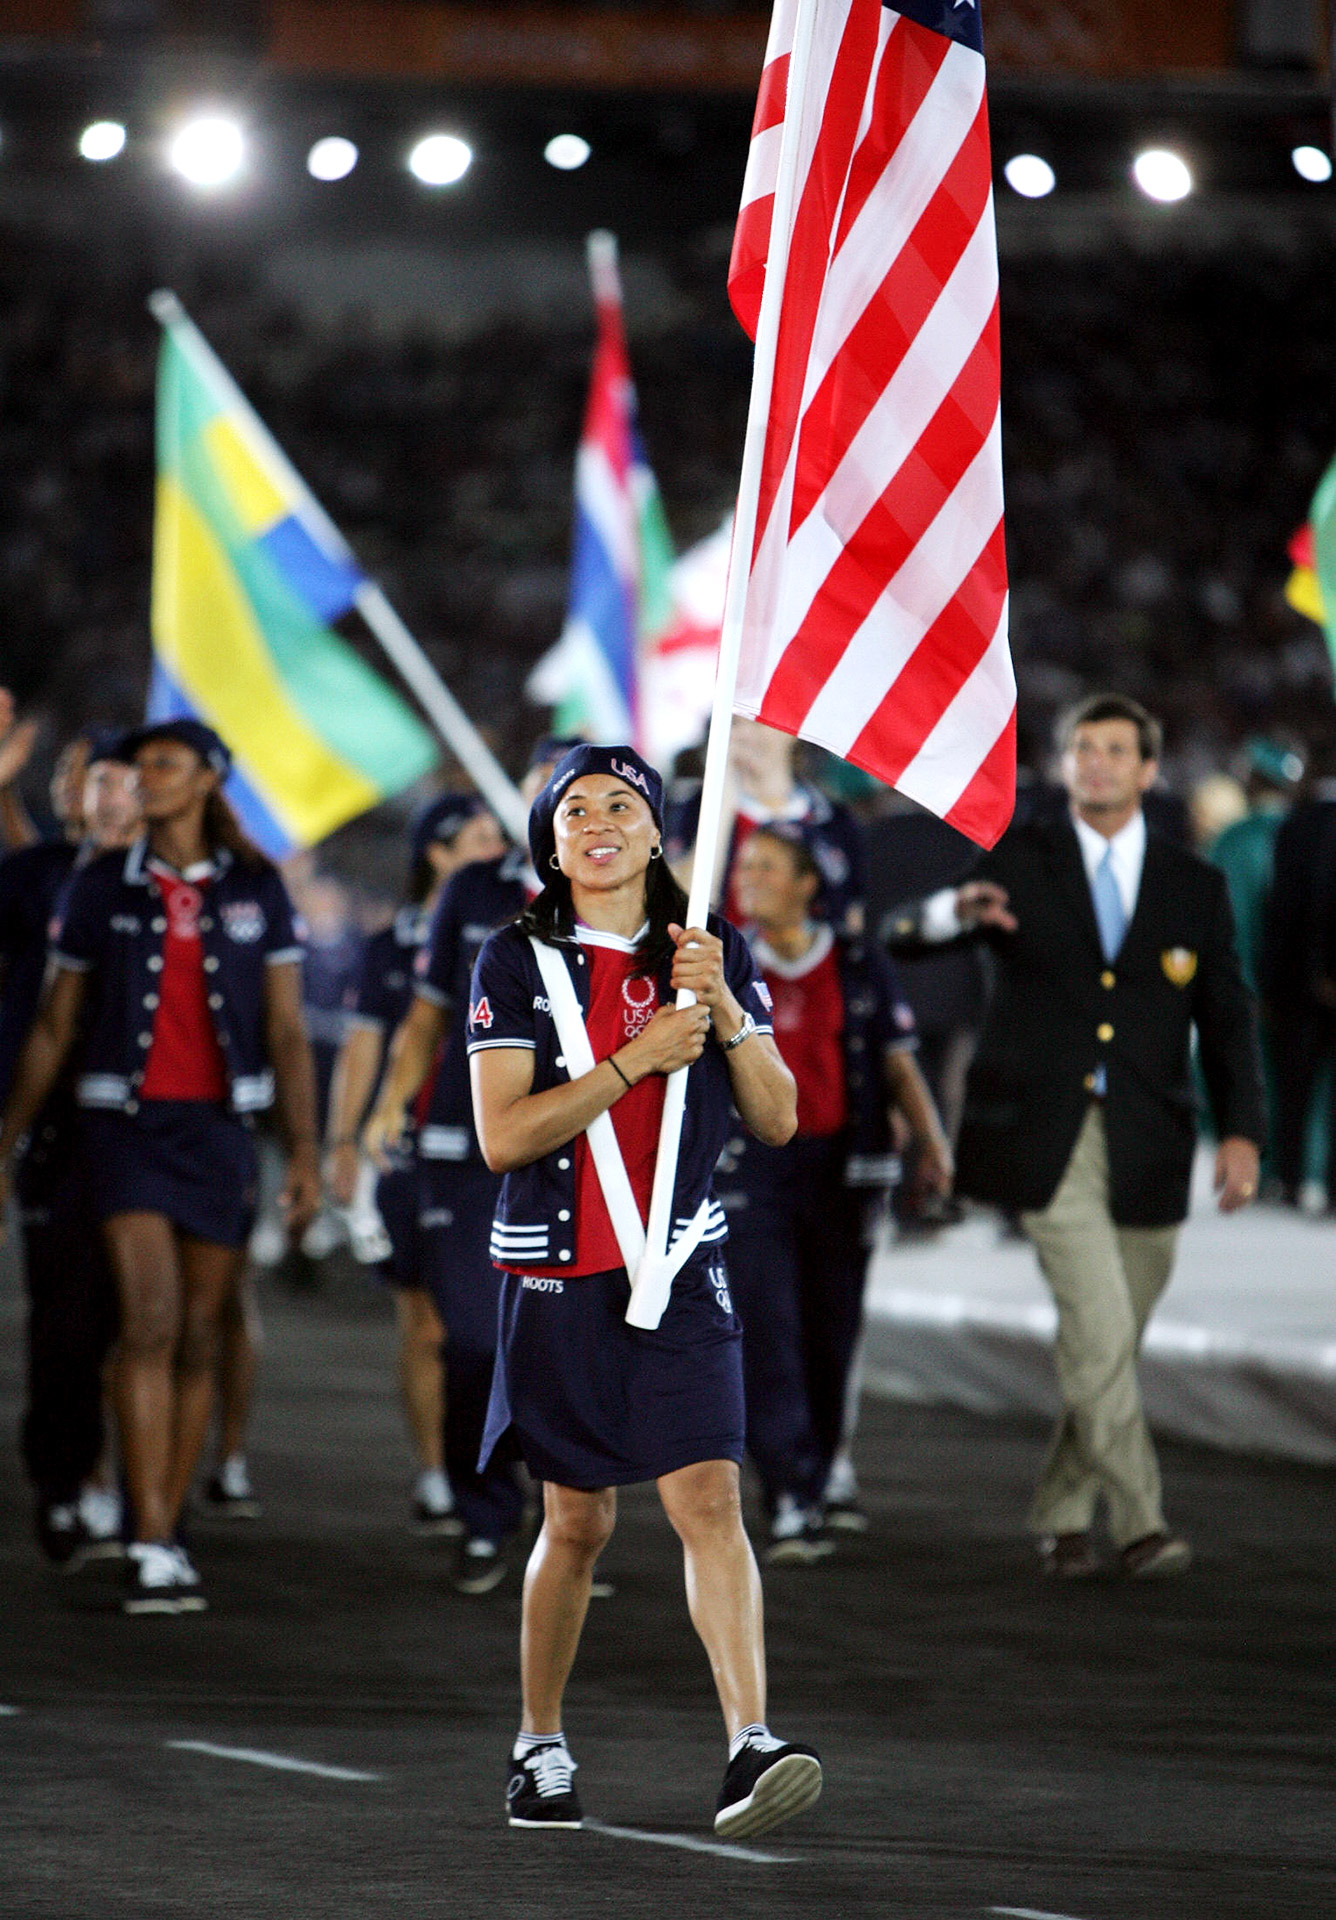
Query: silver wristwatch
[(748, 1027)]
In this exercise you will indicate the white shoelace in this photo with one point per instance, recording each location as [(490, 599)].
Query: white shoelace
[(553, 1771), (158, 1566)]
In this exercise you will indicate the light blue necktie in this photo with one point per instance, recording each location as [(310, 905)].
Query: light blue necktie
[(1109, 912)]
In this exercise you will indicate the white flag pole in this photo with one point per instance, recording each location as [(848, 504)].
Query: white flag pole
[(439, 704), (652, 1284)]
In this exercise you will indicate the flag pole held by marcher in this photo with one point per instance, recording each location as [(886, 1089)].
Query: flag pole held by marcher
[(652, 1284)]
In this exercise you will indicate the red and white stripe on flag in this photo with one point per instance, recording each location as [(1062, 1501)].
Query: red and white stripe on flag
[(876, 611)]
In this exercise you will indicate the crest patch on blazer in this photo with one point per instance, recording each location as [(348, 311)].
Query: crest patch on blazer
[(1180, 965)]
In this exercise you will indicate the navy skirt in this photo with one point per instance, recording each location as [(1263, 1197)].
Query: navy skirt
[(189, 1159), (397, 1205), (595, 1403), (457, 1199)]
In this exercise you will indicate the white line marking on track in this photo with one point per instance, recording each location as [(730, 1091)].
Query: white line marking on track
[(689, 1845), (10, 1713), (1029, 1913), (282, 1762)]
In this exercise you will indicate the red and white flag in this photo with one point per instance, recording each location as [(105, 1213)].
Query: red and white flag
[(875, 618)]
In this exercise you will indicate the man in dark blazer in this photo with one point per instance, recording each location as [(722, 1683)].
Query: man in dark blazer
[(1111, 944)]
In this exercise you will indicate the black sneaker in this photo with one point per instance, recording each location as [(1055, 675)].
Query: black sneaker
[(435, 1523), (798, 1535), (846, 1516), (480, 1566), (62, 1536), (161, 1580), (764, 1786), (540, 1791), (229, 1494)]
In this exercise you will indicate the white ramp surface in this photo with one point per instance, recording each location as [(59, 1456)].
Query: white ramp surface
[(1241, 1352)]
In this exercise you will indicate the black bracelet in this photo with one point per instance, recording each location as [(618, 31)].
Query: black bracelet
[(628, 1084)]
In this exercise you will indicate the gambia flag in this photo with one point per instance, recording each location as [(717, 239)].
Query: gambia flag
[(249, 577), (620, 600)]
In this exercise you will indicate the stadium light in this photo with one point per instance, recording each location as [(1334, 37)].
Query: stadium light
[(208, 152), (1029, 176), (1311, 163), (1162, 175), (103, 140), (331, 159), (440, 160), (566, 151)]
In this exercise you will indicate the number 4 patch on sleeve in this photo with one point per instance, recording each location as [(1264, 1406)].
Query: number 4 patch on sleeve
[(480, 1014)]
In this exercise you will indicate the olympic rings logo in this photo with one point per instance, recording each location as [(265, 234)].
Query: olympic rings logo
[(640, 1005)]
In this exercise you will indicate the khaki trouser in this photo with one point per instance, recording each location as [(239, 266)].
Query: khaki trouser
[(1105, 1281)]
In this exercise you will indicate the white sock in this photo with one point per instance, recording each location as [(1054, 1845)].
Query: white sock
[(433, 1490), (757, 1735), (527, 1743)]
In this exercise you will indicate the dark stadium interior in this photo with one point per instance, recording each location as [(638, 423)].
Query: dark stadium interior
[(995, 1745)]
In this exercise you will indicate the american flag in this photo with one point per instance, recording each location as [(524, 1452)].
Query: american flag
[(876, 612)]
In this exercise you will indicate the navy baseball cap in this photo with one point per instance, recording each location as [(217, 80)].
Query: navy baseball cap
[(107, 743), (441, 819), (621, 763), (190, 733)]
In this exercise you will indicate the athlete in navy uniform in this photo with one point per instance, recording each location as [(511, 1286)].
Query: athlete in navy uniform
[(429, 1069), (764, 787), (71, 1296), (594, 1402), (179, 973), (800, 1216), (452, 831)]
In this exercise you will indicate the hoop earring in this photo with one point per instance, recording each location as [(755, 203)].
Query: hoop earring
[(656, 853), (554, 863)]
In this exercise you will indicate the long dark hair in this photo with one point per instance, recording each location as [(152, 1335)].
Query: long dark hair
[(551, 917), (223, 829)]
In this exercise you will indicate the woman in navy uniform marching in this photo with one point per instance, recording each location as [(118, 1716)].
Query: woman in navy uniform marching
[(454, 830), (428, 1071), (178, 974), (71, 1298), (802, 1216), (594, 1402)]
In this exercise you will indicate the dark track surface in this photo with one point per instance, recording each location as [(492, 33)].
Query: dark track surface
[(991, 1745)]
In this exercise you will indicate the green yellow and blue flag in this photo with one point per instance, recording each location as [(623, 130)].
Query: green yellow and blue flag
[(249, 576)]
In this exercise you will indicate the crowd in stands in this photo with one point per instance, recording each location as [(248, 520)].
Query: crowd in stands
[(1159, 451)]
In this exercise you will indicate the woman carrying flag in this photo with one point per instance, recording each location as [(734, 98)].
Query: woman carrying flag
[(594, 1402), (178, 971)]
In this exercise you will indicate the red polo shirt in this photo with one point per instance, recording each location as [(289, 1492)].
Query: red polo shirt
[(621, 1004), (185, 1061), (809, 1029)]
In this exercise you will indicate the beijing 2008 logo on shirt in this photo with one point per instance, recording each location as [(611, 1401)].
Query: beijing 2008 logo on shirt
[(244, 921), (640, 997)]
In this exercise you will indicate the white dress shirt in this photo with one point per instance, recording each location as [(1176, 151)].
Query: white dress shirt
[(1129, 856)]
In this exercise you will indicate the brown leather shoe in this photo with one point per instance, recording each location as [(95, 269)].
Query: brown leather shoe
[(1155, 1556), (1068, 1556)]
